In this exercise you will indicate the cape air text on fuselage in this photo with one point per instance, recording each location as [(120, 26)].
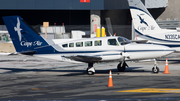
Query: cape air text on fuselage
[(30, 44), (143, 28)]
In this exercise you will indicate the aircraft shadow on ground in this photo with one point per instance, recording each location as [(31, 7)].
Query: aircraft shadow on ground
[(72, 72), (177, 61)]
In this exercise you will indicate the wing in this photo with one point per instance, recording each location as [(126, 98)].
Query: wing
[(82, 58)]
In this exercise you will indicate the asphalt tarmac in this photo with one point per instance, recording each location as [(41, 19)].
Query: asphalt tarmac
[(31, 78)]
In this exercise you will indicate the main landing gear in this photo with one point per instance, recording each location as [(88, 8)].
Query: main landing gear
[(90, 70), (122, 66)]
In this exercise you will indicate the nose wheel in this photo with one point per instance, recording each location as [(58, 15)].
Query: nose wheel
[(155, 69)]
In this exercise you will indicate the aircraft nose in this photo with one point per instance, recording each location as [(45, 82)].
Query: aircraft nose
[(170, 49), (161, 50), (167, 50)]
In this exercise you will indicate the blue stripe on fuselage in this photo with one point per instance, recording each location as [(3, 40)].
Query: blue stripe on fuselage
[(157, 39), (168, 45), (90, 52)]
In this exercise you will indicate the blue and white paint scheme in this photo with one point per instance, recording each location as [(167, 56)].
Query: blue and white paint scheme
[(146, 28), (89, 50)]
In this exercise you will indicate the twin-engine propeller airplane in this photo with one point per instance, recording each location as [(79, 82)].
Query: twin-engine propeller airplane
[(89, 50), (146, 28)]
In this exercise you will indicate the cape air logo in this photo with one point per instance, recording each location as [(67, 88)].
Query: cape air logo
[(142, 20), (25, 43), (18, 29), (144, 25)]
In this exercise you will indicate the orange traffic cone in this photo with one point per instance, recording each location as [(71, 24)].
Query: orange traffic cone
[(110, 84), (166, 68)]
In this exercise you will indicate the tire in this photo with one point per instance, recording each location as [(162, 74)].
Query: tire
[(155, 71), (90, 72), (121, 69)]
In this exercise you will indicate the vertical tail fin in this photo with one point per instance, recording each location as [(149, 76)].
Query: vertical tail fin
[(24, 37), (143, 21)]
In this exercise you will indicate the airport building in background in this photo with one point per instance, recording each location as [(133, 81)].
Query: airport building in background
[(86, 15)]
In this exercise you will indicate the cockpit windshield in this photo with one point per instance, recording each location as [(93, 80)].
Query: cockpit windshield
[(123, 41)]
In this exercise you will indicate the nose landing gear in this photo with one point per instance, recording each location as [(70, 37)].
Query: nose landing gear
[(155, 69)]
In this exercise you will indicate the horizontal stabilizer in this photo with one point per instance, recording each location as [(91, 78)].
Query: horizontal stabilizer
[(24, 53)]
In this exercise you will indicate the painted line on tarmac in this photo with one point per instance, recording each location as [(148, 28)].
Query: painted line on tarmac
[(152, 90), (38, 89)]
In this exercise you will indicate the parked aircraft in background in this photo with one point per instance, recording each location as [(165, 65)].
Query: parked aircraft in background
[(146, 27), (89, 50)]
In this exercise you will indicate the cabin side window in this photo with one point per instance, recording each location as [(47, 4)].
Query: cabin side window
[(79, 44), (98, 43), (123, 41), (88, 43), (71, 44), (65, 45), (113, 42)]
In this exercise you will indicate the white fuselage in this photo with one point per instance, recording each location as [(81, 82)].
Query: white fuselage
[(106, 50)]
